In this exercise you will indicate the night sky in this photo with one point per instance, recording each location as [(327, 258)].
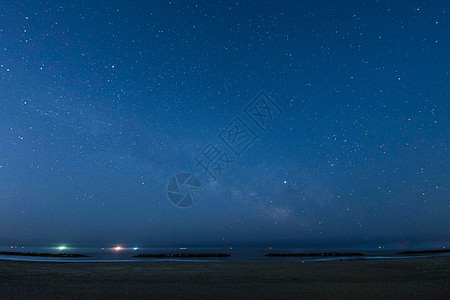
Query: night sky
[(103, 102)]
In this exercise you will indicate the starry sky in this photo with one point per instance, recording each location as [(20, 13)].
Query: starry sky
[(103, 102)]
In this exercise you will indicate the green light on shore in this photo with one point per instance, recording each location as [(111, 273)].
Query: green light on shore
[(61, 248)]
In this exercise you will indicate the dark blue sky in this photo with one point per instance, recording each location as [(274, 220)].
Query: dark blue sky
[(103, 102)]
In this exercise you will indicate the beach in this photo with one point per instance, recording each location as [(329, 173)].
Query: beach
[(412, 278)]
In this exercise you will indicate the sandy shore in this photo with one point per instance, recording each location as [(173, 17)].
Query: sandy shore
[(415, 278)]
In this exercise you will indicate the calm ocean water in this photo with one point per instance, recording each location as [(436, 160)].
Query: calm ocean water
[(126, 253)]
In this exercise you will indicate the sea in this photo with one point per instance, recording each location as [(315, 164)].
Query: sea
[(122, 253)]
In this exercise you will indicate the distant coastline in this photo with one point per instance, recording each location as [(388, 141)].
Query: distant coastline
[(439, 251), (179, 255), (315, 254), (42, 254), (114, 254)]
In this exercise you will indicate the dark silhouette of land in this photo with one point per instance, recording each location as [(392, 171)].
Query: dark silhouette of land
[(403, 278), (182, 255), (314, 254), (439, 251), (42, 254)]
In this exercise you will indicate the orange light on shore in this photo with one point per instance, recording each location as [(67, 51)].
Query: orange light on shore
[(118, 248)]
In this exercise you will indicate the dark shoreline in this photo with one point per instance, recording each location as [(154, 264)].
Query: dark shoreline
[(404, 278)]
